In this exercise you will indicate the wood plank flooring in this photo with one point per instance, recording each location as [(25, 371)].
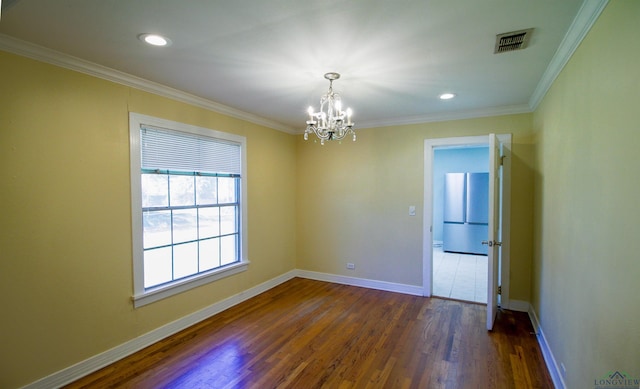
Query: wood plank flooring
[(312, 334)]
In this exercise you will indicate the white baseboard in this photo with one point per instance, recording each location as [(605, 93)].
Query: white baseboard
[(106, 358), (549, 359), (362, 282)]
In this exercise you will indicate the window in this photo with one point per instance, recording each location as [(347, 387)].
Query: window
[(188, 206)]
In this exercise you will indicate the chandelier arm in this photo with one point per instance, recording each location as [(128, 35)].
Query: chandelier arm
[(320, 133)]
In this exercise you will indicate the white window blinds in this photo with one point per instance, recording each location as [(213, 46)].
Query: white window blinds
[(172, 150)]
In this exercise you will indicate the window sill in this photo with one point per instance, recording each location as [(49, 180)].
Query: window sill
[(154, 294)]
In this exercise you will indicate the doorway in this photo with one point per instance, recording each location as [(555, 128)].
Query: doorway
[(431, 254), (460, 264)]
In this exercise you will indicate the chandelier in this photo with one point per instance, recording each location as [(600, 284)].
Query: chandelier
[(331, 122)]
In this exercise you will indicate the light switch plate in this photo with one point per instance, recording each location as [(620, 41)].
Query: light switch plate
[(412, 210)]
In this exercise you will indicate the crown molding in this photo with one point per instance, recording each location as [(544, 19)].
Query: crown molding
[(582, 23), (446, 116), (43, 54)]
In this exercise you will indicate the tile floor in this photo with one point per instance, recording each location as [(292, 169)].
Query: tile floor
[(460, 276)]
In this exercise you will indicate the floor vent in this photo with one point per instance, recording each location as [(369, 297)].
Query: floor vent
[(510, 41)]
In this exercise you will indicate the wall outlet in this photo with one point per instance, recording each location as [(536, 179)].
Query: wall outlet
[(351, 266)]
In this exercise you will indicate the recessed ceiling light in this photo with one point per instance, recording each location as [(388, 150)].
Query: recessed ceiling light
[(447, 96), (154, 39)]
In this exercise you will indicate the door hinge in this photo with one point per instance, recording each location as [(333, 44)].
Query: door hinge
[(502, 157), (500, 290)]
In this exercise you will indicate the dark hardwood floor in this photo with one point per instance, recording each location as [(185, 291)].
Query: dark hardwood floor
[(313, 334)]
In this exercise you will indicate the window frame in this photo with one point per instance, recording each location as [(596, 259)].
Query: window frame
[(141, 295)]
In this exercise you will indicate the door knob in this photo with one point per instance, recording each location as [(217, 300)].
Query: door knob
[(491, 243)]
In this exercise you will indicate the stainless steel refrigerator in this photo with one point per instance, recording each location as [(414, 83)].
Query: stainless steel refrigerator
[(466, 212)]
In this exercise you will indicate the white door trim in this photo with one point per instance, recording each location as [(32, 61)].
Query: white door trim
[(427, 239)]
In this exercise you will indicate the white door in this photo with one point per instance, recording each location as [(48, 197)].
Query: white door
[(494, 225)]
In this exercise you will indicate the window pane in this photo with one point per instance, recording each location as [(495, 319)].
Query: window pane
[(206, 190), (209, 222), (209, 254), (185, 225), (228, 220), (226, 190), (155, 190), (185, 260), (156, 226), (181, 190), (157, 267), (228, 249)]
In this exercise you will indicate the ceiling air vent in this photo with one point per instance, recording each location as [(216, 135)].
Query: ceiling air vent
[(510, 41)]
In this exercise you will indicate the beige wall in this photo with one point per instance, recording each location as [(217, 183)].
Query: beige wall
[(65, 236), (353, 200), (586, 283)]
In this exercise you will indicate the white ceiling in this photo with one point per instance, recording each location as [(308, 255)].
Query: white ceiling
[(266, 59)]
